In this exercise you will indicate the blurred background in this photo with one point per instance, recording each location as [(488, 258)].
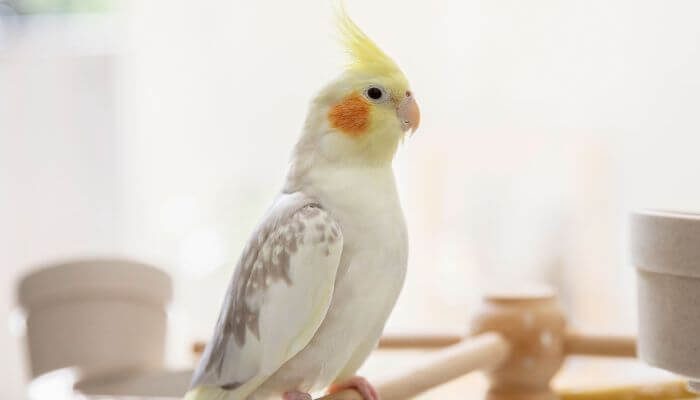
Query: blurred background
[(160, 131)]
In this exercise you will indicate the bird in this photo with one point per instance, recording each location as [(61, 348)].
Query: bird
[(321, 273)]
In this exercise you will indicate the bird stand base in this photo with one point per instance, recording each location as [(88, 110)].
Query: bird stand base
[(532, 321)]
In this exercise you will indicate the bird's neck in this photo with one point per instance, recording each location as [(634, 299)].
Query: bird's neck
[(350, 187), (332, 168)]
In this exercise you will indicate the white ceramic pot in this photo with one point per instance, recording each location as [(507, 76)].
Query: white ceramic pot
[(665, 249), (103, 316), (161, 385)]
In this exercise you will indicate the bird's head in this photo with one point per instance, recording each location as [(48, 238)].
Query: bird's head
[(363, 115)]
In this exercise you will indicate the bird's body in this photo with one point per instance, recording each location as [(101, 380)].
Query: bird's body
[(321, 273), (370, 275)]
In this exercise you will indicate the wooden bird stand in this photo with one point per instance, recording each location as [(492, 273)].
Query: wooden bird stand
[(519, 339)]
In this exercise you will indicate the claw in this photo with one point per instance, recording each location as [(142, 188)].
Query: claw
[(358, 383)]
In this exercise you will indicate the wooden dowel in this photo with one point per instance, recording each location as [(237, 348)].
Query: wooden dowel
[(479, 352), (348, 394), (418, 341), (600, 345)]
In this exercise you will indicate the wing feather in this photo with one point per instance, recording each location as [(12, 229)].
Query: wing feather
[(277, 299)]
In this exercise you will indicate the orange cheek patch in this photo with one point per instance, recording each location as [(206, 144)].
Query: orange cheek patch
[(350, 116)]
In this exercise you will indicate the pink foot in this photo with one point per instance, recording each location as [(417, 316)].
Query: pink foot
[(358, 383), (296, 396)]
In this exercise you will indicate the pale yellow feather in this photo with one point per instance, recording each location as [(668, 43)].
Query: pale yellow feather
[(366, 57)]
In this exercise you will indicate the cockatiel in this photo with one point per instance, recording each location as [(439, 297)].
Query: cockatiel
[(314, 286)]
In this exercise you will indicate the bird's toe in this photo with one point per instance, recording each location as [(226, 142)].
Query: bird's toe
[(360, 384)]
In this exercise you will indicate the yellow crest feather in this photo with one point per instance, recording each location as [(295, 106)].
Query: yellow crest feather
[(365, 56)]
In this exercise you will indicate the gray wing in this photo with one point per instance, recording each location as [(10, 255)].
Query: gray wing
[(278, 297)]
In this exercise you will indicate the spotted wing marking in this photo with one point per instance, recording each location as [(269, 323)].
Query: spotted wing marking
[(265, 261), (268, 262)]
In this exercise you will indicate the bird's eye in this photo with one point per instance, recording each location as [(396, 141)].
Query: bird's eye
[(375, 93)]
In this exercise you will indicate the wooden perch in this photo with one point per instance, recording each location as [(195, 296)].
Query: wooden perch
[(344, 395), (418, 341), (480, 352), (600, 345), (575, 343)]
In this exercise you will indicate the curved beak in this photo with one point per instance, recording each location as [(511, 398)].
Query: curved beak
[(408, 113)]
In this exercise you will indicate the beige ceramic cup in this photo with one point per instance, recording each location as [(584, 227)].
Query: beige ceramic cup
[(103, 316), (665, 250)]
